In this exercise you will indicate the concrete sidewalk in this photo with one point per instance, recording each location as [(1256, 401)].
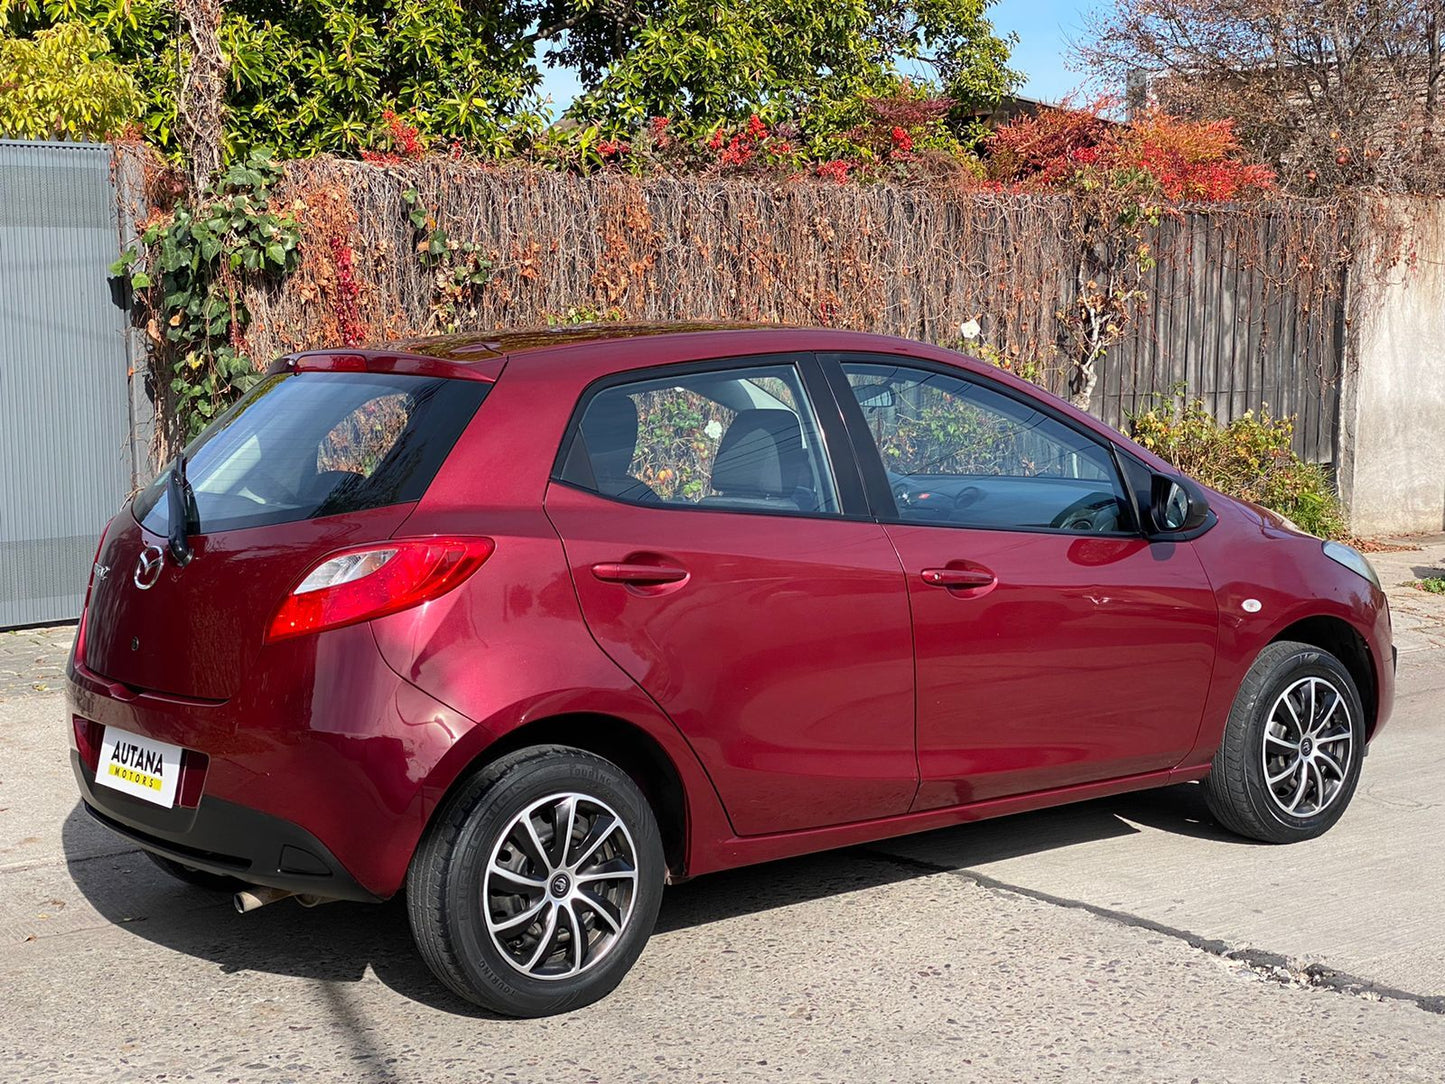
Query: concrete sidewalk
[(33, 660), (1418, 616), (1090, 942), (852, 966)]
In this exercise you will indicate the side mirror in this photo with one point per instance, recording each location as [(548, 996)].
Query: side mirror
[(1176, 505)]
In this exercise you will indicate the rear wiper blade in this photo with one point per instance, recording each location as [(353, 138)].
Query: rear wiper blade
[(183, 518)]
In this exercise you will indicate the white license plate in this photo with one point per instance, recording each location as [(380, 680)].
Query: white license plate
[(140, 766)]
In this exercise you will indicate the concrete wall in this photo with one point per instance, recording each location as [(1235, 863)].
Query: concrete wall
[(1392, 410)]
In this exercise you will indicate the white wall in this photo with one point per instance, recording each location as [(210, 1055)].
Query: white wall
[(1392, 411)]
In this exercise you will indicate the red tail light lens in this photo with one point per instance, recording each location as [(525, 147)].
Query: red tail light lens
[(373, 581), (88, 735)]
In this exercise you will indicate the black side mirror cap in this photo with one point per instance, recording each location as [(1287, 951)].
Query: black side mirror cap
[(1177, 506)]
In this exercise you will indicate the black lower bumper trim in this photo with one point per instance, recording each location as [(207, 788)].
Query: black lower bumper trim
[(226, 839)]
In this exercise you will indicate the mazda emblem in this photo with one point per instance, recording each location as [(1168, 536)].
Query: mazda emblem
[(148, 567)]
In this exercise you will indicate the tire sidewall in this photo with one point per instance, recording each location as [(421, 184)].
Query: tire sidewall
[(482, 963), (1284, 673)]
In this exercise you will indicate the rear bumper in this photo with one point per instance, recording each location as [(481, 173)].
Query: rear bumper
[(223, 838), (328, 752)]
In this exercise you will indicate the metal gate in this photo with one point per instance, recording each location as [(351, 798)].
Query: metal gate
[(65, 427)]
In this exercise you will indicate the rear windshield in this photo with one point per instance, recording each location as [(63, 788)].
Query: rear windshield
[(305, 445)]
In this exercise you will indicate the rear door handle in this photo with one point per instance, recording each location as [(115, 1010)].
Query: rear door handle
[(623, 572), (958, 577)]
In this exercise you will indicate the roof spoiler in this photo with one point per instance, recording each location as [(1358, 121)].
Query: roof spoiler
[(381, 361)]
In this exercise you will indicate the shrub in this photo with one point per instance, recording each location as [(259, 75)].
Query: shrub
[(63, 84), (1249, 458)]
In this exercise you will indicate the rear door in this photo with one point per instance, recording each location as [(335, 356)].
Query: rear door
[(1055, 644), (726, 562)]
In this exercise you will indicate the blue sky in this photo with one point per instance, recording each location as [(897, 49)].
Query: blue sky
[(1044, 29)]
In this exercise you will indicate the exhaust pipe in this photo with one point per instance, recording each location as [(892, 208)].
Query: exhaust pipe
[(248, 899)]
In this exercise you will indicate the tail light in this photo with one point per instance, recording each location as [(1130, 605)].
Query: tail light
[(88, 736), (373, 581)]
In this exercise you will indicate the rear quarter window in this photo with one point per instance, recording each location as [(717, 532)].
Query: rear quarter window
[(305, 445)]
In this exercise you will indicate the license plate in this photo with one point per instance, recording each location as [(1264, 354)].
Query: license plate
[(143, 767)]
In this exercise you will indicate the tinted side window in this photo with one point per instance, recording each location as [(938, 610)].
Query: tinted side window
[(960, 453), (741, 439)]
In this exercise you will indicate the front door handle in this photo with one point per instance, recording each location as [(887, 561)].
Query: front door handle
[(956, 578), (638, 574)]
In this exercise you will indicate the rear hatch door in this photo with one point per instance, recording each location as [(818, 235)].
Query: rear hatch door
[(307, 463)]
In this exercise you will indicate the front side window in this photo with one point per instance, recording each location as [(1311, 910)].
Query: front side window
[(959, 453), (744, 439)]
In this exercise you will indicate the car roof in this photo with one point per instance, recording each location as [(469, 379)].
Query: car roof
[(476, 345), (482, 355)]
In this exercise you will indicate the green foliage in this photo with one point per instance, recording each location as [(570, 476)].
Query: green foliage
[(938, 434), (191, 271), (318, 75), (1025, 368), (579, 315), (720, 64), (1250, 458), (678, 432), (63, 84), (315, 76), (460, 268), (1434, 584), (142, 38)]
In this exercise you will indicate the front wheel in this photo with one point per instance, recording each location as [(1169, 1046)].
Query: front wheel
[(1291, 754), (538, 884)]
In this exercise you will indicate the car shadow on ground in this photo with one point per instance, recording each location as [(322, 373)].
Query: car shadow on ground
[(338, 942)]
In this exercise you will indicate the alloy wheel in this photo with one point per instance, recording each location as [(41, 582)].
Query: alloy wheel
[(559, 887), (1308, 746)]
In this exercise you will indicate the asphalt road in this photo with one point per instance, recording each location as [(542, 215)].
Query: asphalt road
[(1124, 939)]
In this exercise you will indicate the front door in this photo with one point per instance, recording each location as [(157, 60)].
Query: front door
[(718, 565), (1055, 645)]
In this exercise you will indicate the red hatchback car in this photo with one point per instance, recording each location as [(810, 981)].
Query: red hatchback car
[(529, 625)]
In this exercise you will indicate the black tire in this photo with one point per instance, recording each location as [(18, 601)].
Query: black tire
[(212, 882), (1267, 736), (452, 883)]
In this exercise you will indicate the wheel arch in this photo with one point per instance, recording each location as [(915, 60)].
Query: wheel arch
[(1344, 642), (613, 738)]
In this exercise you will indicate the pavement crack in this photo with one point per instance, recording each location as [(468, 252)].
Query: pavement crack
[(1269, 965)]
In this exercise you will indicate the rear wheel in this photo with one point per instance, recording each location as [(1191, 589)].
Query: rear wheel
[(1291, 754), (539, 882)]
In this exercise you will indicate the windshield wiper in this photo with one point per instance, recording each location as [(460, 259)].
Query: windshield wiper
[(183, 518)]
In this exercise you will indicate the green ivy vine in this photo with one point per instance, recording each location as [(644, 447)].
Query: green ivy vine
[(460, 268), (188, 274)]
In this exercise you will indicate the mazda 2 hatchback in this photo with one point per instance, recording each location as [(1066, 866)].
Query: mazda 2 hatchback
[(529, 625)]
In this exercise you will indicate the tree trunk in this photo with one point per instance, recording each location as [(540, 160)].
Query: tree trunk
[(201, 105), (1081, 386)]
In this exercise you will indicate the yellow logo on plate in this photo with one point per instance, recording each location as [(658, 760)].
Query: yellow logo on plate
[(130, 775)]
